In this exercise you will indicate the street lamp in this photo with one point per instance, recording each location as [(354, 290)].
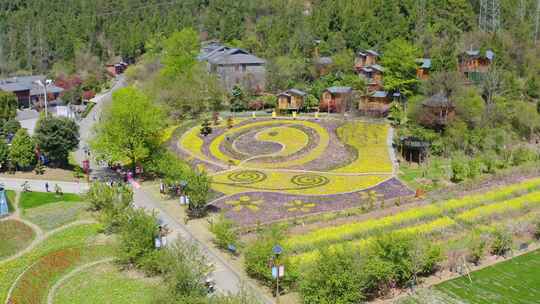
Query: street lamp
[(44, 86), (277, 270)]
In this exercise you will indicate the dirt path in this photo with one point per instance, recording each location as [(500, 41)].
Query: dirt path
[(72, 273)]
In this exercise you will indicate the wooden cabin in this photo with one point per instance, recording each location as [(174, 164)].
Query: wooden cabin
[(414, 149), (336, 99), (373, 75), (365, 58), (292, 99), (375, 104), (423, 68), (474, 63), (438, 111)]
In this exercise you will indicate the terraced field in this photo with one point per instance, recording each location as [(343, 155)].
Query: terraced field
[(439, 220)]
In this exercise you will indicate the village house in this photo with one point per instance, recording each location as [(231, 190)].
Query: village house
[(375, 104), (336, 99), (475, 63), (29, 93), (423, 68), (438, 111), (234, 67), (292, 99), (365, 58)]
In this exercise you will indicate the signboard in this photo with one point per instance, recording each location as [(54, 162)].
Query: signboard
[(278, 271)]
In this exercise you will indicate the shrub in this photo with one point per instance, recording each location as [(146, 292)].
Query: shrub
[(523, 155), (460, 169), (476, 250), (185, 270), (224, 233), (335, 278), (137, 232), (501, 242), (258, 254)]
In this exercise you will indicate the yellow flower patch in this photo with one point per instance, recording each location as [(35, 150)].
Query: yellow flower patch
[(292, 182), (370, 141)]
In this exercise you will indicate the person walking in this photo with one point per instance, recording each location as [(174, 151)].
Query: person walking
[(47, 186)]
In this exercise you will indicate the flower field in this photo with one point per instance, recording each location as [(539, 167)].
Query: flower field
[(319, 158), (431, 219), (370, 140)]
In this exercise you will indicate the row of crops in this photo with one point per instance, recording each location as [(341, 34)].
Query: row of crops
[(446, 216)]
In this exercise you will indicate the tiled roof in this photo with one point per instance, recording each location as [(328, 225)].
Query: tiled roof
[(379, 94), (339, 90)]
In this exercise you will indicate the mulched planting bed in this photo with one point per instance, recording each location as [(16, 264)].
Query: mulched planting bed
[(253, 208), (14, 236)]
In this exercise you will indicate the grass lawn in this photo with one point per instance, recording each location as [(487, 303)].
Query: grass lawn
[(14, 236), (106, 284), (515, 281), (54, 215), (35, 199)]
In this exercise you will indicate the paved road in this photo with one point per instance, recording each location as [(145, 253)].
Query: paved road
[(86, 124), (39, 185)]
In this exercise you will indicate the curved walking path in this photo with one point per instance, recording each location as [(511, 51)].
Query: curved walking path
[(72, 273)]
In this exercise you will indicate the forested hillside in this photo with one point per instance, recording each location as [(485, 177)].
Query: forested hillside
[(36, 34)]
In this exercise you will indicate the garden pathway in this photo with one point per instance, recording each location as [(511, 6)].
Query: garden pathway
[(72, 273)]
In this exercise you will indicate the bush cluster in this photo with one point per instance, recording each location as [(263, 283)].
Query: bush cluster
[(349, 276)]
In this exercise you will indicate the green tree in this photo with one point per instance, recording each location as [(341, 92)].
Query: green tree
[(130, 129), (197, 190), (56, 137), (224, 232), (137, 233), (180, 52), (400, 66), (335, 278), (22, 151), (8, 106)]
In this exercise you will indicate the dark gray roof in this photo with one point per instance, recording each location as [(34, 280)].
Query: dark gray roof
[(25, 83), (339, 90), (296, 92), (216, 53), (438, 100), (13, 87)]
